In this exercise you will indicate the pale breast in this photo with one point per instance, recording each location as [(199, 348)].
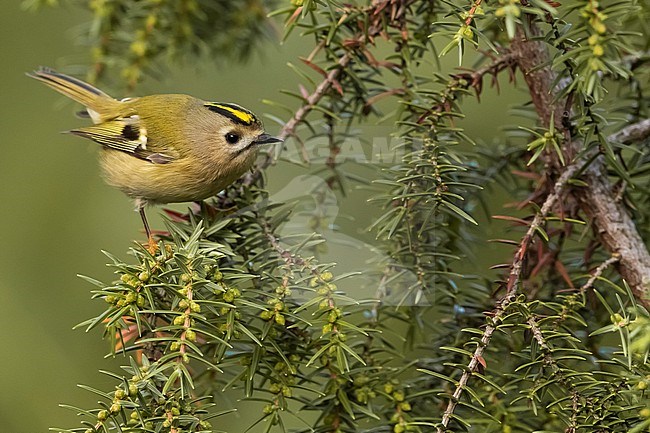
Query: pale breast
[(175, 182)]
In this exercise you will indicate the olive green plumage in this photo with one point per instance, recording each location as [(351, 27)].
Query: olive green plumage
[(165, 148)]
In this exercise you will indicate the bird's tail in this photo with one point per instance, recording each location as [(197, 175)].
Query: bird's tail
[(100, 106)]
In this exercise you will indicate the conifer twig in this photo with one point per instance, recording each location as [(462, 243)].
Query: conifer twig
[(511, 290), (632, 132), (598, 272), (395, 10), (612, 223)]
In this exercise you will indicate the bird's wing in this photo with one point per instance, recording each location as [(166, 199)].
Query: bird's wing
[(125, 134)]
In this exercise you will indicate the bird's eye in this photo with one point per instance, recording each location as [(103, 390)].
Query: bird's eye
[(232, 137)]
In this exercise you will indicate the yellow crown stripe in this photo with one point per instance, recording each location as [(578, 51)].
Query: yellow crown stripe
[(244, 116)]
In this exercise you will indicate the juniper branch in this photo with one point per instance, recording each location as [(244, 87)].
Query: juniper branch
[(570, 300), (632, 132), (466, 80), (511, 290), (289, 128), (358, 43), (612, 223), (598, 272), (557, 372)]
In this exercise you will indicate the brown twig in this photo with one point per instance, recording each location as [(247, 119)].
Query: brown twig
[(471, 12), (569, 302), (289, 128), (598, 272)]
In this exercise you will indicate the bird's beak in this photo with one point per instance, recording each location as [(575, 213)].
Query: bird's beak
[(266, 139)]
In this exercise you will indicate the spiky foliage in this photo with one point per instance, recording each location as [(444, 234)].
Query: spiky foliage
[(560, 342)]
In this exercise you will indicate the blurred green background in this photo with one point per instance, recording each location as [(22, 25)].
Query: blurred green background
[(56, 215)]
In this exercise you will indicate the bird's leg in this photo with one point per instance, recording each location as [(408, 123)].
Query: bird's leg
[(145, 223), (152, 246)]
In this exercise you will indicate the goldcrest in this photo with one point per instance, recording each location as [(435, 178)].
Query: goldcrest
[(165, 148)]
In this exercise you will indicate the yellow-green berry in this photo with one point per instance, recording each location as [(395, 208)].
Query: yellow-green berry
[(599, 27), (617, 320), (130, 297), (151, 21), (405, 406)]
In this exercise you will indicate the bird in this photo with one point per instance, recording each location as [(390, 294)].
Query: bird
[(164, 148)]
